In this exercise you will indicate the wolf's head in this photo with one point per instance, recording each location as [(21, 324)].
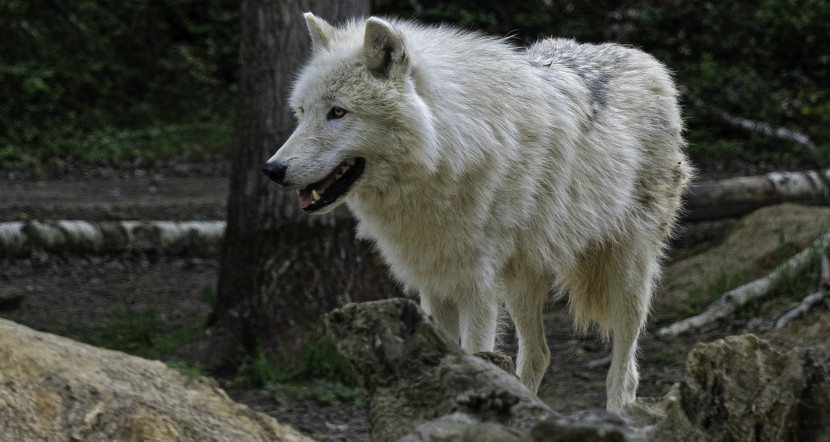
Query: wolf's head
[(360, 121)]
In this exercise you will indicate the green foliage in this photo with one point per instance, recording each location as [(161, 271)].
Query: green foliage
[(103, 81), (258, 371), (320, 360), (666, 357), (765, 60), (700, 296), (322, 375), (187, 368), (321, 390), (210, 297), (796, 284), (792, 284), (144, 334)]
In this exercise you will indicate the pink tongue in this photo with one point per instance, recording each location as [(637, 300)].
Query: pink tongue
[(304, 198)]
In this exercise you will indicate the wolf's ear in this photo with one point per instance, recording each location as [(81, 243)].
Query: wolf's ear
[(320, 30), (383, 49)]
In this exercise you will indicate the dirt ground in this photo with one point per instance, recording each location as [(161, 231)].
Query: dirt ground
[(83, 295)]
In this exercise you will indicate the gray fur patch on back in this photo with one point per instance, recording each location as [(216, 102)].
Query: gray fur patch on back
[(596, 65)]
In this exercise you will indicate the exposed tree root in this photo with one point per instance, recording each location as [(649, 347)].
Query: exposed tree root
[(737, 297), (811, 299)]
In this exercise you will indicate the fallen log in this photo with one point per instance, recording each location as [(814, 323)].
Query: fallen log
[(21, 238), (732, 197), (707, 200)]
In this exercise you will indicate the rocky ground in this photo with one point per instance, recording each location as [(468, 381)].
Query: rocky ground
[(81, 296)]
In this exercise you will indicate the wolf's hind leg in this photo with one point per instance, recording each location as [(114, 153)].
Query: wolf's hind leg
[(611, 286), (444, 311), (525, 301), (629, 299)]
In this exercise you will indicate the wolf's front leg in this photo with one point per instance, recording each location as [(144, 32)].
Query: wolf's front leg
[(478, 321), (444, 311)]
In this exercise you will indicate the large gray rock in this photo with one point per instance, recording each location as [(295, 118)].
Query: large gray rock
[(53, 388), (739, 388), (421, 386), (413, 373)]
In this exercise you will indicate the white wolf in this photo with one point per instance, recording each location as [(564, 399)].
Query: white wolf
[(488, 175)]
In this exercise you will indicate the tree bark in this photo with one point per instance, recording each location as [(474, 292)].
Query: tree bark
[(281, 270)]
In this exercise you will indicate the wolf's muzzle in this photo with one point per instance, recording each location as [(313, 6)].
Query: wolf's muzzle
[(275, 171)]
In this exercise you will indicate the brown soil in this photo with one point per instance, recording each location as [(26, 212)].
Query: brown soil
[(82, 295)]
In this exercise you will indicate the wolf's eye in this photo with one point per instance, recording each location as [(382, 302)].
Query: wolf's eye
[(335, 113)]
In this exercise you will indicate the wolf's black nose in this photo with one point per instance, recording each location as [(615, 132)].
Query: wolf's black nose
[(275, 171)]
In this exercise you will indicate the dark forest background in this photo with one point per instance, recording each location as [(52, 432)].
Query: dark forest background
[(104, 81)]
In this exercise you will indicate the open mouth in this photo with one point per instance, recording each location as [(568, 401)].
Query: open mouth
[(326, 191)]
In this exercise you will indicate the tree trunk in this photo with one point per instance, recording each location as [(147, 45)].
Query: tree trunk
[(281, 270)]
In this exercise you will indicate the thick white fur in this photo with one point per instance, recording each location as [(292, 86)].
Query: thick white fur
[(495, 175)]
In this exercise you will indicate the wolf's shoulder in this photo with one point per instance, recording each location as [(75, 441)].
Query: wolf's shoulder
[(572, 54), (598, 64)]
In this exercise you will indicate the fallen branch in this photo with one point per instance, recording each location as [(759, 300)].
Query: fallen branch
[(760, 127), (810, 300), (806, 304), (740, 296)]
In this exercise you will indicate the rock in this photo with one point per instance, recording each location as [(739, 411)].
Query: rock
[(53, 388), (584, 426), (413, 373), (421, 386), (740, 388), (461, 427)]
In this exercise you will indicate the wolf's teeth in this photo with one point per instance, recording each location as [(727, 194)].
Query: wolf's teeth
[(315, 196), (343, 169)]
